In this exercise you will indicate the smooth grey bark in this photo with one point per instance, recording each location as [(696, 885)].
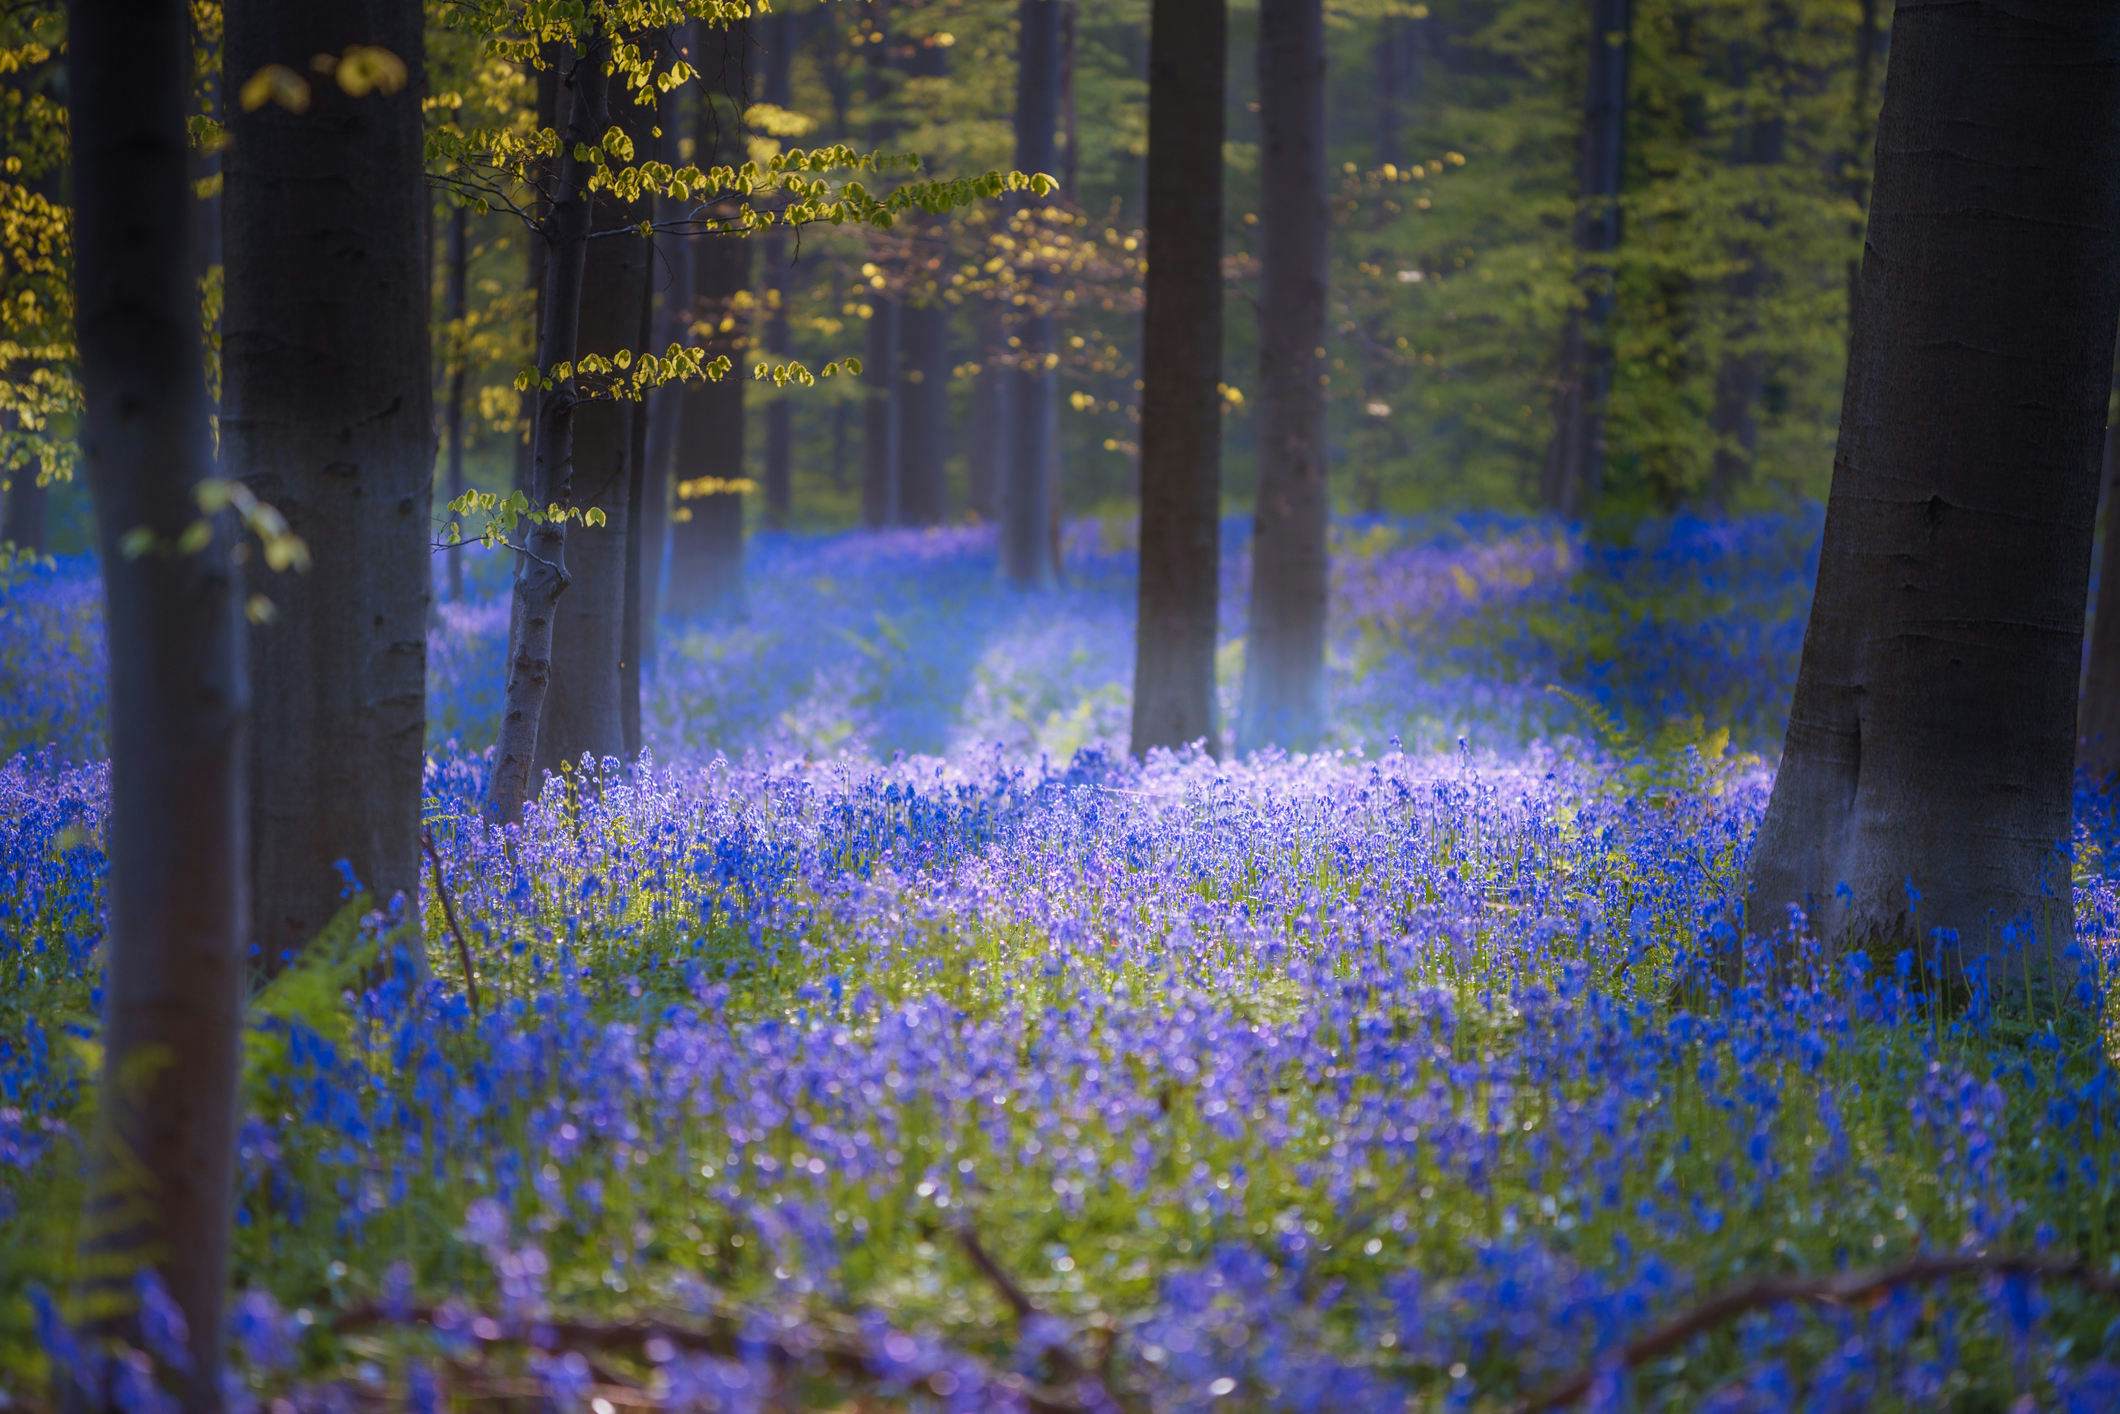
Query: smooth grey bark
[(707, 531), (1030, 477), (585, 712), (541, 576), (1575, 457), (162, 1165), (783, 35), (453, 415), (1932, 736), (1284, 649), (327, 414), (1181, 370)]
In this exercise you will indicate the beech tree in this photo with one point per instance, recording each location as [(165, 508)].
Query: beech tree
[(1284, 649), (1575, 458), (178, 915), (1181, 369), (327, 416), (1030, 476), (1925, 779)]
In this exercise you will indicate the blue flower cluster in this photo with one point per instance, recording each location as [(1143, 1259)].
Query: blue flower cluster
[(980, 1072)]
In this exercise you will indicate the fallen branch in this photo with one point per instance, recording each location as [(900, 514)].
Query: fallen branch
[(725, 1335), (441, 891), (1840, 1289)]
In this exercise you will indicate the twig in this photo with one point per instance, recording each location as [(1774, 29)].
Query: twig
[(1844, 1288), (1067, 1368), (441, 891)]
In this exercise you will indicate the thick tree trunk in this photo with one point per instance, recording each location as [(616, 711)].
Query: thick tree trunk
[(1862, 128), (536, 255), (783, 35), (541, 570), (1031, 474), (1284, 650), (707, 536), (453, 417), (1181, 367), (585, 707), (1575, 458), (1932, 735), (328, 416), (178, 922)]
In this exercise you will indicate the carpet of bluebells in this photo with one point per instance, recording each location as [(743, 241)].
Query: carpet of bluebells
[(888, 1038)]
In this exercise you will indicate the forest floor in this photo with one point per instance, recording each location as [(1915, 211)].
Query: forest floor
[(890, 1037)]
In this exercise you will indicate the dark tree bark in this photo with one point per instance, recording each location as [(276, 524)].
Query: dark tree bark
[(1284, 650), (541, 571), (707, 533), (535, 256), (882, 494), (924, 400), (160, 1186), (453, 416), (1575, 458), (1181, 367), (1741, 376), (783, 35), (637, 621), (328, 416), (1031, 475), (1933, 731), (2098, 715), (1862, 128), (585, 707)]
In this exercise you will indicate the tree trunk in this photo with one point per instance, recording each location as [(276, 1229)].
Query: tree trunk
[(1181, 367), (1284, 651), (536, 255), (453, 419), (989, 432), (1862, 127), (2098, 717), (585, 711), (1032, 473), (1741, 376), (882, 496), (1932, 736), (160, 1183), (328, 416), (1575, 458), (783, 36), (541, 570), (924, 398), (637, 621), (706, 541)]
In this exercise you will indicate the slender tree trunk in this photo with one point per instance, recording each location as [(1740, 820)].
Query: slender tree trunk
[(585, 712), (1741, 376), (541, 571), (1932, 736), (924, 397), (1284, 651), (328, 416), (536, 256), (453, 422), (1575, 458), (783, 36), (707, 536), (1181, 358), (2098, 716), (637, 628), (1032, 471), (161, 1169), (882, 425)]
